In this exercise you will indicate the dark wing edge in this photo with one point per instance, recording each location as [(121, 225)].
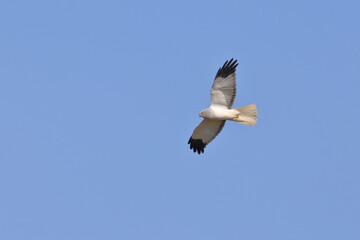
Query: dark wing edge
[(228, 68), (197, 145)]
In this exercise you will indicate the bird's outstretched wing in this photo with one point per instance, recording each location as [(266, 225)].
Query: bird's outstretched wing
[(223, 90), (204, 133)]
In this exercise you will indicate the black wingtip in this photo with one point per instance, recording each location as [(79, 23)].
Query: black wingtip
[(228, 68), (197, 145)]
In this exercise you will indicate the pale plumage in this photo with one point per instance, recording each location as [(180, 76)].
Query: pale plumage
[(223, 92)]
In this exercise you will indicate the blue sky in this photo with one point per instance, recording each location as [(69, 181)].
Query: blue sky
[(99, 98)]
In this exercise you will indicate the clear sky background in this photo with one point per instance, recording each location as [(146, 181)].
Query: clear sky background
[(99, 98)]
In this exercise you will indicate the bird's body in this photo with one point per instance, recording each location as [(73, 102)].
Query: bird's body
[(223, 92), (219, 112)]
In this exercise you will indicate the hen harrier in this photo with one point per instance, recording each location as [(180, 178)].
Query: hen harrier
[(223, 93)]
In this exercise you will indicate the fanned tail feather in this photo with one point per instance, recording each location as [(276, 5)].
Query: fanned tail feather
[(248, 115)]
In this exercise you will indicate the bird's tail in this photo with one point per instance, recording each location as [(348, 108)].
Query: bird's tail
[(248, 115)]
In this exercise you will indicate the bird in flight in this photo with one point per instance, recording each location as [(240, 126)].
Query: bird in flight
[(223, 92)]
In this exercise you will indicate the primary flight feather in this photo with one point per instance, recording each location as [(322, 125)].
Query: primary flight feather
[(223, 92)]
